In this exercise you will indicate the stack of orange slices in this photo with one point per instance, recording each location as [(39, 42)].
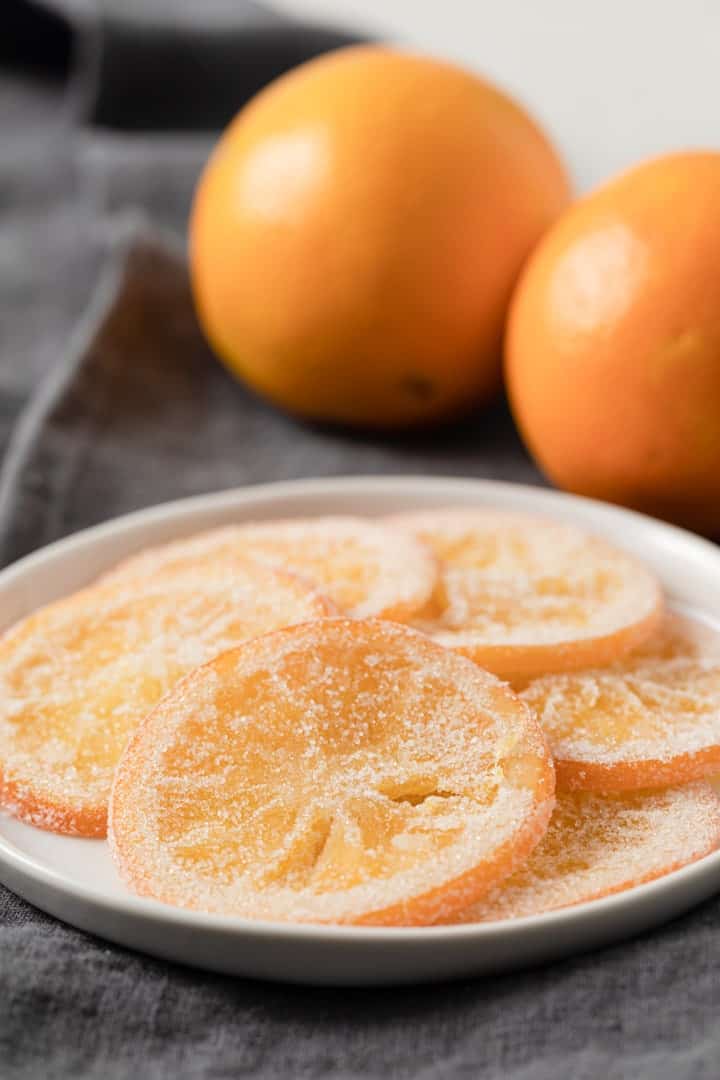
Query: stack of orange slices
[(341, 720)]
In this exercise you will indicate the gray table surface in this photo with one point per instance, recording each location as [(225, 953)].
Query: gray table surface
[(71, 1006)]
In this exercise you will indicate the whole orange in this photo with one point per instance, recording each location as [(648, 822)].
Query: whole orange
[(613, 345), (357, 232)]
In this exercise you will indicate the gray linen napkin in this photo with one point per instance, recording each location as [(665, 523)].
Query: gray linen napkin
[(134, 411), (177, 69), (143, 65), (139, 411)]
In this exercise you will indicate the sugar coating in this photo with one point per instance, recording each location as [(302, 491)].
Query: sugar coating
[(523, 581), (660, 704), (341, 771), (597, 845), (78, 675), (364, 567)]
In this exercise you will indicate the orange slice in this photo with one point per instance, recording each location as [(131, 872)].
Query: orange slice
[(338, 772), (648, 720), (597, 845), (522, 595), (78, 675), (364, 567)]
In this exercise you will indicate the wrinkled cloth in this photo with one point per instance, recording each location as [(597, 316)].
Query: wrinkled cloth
[(110, 401), (138, 411)]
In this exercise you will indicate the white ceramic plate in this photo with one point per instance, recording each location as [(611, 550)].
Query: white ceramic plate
[(75, 880)]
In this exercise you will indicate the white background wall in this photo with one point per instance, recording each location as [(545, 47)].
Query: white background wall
[(613, 80)]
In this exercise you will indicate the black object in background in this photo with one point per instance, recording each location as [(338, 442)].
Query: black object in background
[(160, 64), (35, 37)]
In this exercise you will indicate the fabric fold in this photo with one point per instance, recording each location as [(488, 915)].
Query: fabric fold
[(155, 65), (138, 411)]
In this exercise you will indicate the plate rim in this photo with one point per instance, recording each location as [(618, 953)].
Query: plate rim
[(225, 499), (207, 501), (158, 912)]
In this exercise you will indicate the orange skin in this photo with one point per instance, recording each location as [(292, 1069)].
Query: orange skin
[(517, 664), (356, 235), (127, 824), (580, 837), (613, 343), (426, 909), (34, 795), (416, 911), (514, 660), (35, 808), (677, 638), (636, 775)]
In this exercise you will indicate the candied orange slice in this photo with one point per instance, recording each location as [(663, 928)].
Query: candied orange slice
[(650, 719), (364, 567), (522, 595), (343, 771), (602, 844), (78, 675)]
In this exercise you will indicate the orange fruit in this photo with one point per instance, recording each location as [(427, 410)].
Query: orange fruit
[(343, 771), (366, 568), (614, 338), (650, 719), (523, 595), (597, 845), (78, 675), (357, 232)]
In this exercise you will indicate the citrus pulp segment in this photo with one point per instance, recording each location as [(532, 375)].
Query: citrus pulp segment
[(366, 568), (650, 719), (597, 845), (523, 595), (78, 675), (343, 771)]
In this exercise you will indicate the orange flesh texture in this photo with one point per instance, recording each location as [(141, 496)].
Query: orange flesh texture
[(364, 567), (343, 771), (78, 676), (597, 845), (523, 595), (651, 719)]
